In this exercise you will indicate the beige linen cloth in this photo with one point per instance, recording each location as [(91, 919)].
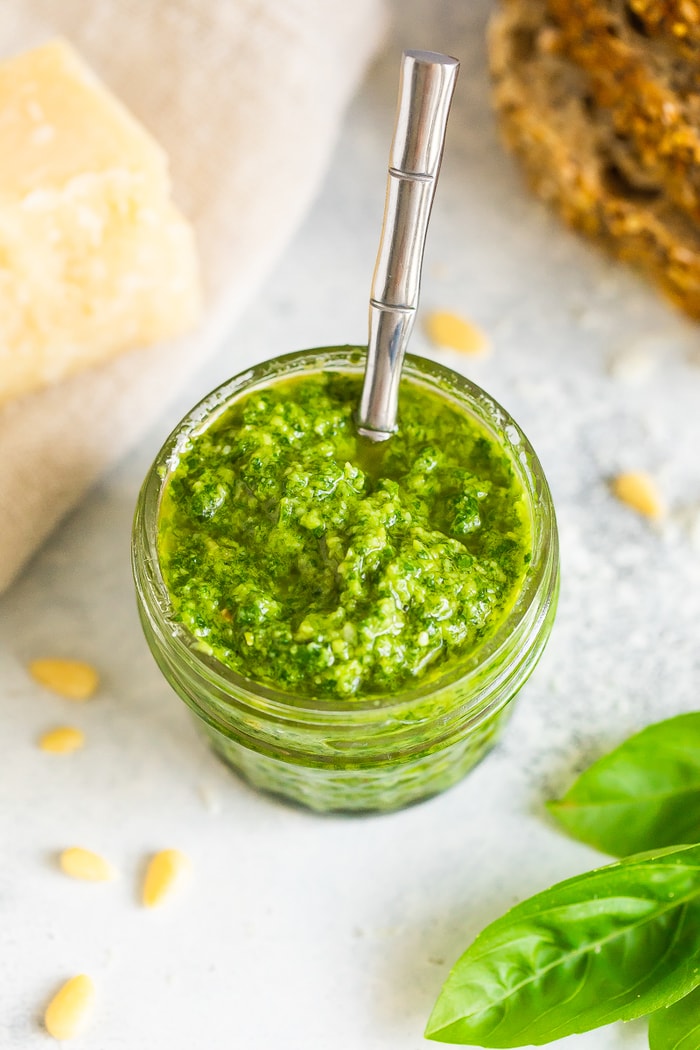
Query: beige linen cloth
[(246, 96)]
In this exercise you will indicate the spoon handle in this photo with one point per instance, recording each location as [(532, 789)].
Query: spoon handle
[(425, 93)]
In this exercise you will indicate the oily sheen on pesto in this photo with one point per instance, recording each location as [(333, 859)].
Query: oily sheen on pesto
[(307, 558)]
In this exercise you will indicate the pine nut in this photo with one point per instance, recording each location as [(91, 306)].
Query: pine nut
[(62, 740), (68, 1012), (72, 679), (84, 864), (166, 871), (639, 491), (455, 333)]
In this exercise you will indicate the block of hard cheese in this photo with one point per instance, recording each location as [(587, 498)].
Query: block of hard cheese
[(94, 257)]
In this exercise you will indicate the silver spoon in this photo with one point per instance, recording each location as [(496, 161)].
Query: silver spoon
[(425, 93)]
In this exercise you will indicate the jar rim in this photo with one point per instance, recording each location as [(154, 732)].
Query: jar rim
[(350, 359)]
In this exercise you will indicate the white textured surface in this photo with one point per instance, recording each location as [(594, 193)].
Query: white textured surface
[(306, 933)]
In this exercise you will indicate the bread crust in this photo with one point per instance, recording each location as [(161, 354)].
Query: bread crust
[(648, 90), (676, 20), (542, 101)]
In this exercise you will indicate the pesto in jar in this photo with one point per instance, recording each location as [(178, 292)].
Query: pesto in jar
[(312, 560)]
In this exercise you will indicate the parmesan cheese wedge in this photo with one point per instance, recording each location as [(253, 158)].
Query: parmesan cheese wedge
[(94, 258)]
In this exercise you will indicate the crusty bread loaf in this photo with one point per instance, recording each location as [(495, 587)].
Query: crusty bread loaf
[(649, 90), (678, 21), (568, 147)]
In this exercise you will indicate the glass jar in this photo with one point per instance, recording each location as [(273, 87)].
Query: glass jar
[(382, 752)]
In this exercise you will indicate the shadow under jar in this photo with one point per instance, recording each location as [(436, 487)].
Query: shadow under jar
[(396, 743)]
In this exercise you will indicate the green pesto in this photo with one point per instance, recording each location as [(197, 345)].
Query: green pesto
[(307, 558)]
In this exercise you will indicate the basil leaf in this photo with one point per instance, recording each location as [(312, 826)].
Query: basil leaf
[(643, 795), (678, 1026), (613, 944)]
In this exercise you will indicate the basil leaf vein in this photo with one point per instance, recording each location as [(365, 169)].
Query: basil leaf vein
[(613, 944), (643, 795), (677, 1027)]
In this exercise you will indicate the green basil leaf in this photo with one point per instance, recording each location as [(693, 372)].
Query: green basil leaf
[(643, 795), (677, 1027), (613, 944)]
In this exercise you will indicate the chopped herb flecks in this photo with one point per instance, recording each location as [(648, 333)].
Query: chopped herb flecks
[(307, 558)]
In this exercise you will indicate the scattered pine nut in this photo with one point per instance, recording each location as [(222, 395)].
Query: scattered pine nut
[(210, 798), (62, 740), (639, 491), (632, 365), (84, 864), (68, 1012), (166, 871), (455, 333), (72, 679), (688, 518)]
